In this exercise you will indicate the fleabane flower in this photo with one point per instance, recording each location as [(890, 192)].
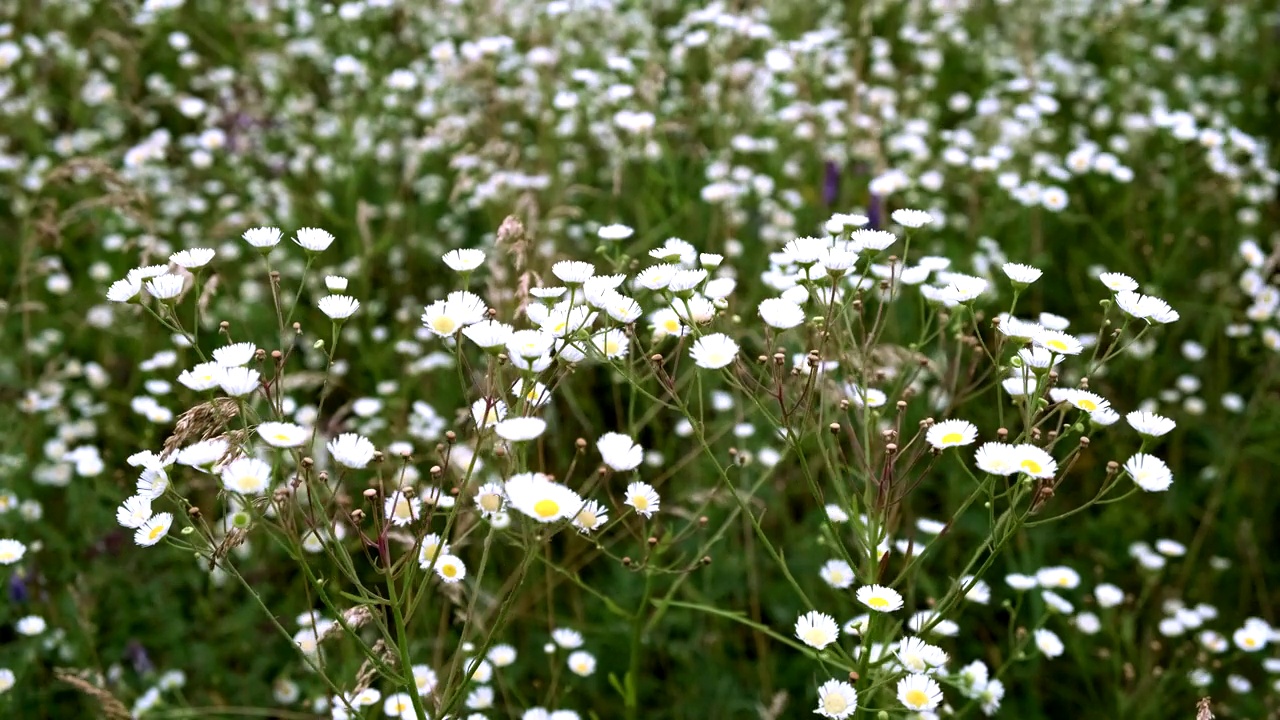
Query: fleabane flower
[(520, 429), (205, 376), (656, 277), (1149, 472), (1149, 423), (619, 451), (643, 498), (351, 450), (1085, 400), (573, 272), (996, 458), (1034, 461), (1049, 643), (487, 412), (614, 232), (400, 509), (313, 239), (590, 517), (951, 433), (879, 598), (581, 663), (864, 239), (490, 498), (238, 381), (450, 569), (919, 692), (153, 530), (836, 699), (488, 334), (247, 476), (338, 307), (192, 258), (837, 573), (781, 314), (918, 656), (235, 355), (1118, 282), (134, 512), (463, 259), (282, 434), (1146, 307), (11, 551), (612, 344), (165, 287), (714, 351), (962, 289), (262, 238), (1021, 274), (537, 496), (124, 290), (456, 311), (907, 217), (1058, 342), (817, 630)]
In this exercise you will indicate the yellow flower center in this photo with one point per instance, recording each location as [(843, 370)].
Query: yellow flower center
[(491, 502), (448, 570), (491, 417), (834, 703), (403, 508), (559, 327), (444, 325), (916, 698), (640, 502), (546, 508), (671, 325), (814, 636), (1057, 345), (1250, 642), (952, 437), (612, 347), (877, 602), (282, 437), (587, 519), (1087, 405), (246, 483), (1031, 466)]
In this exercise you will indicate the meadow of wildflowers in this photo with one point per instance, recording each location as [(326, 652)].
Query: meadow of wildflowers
[(560, 359)]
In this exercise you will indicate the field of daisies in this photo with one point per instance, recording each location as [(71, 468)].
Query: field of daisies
[(621, 359)]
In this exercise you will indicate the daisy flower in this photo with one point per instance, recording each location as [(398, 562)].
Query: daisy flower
[(1049, 643), (1034, 461), (338, 307), (238, 381), (996, 458), (1149, 423), (134, 512), (951, 433), (1149, 472), (234, 355), (643, 498), (520, 429), (781, 314), (538, 497), (1118, 282), (205, 376), (619, 451), (581, 663), (837, 573), (351, 450), (918, 656), (919, 692), (124, 290), (165, 287), (282, 434), (1021, 274), (262, 237), (590, 517), (488, 412), (247, 476), (836, 699), (1058, 342), (614, 232), (714, 351), (450, 569), (154, 529), (193, 258), (463, 259), (907, 217), (313, 239), (879, 598), (817, 630), (400, 510)]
